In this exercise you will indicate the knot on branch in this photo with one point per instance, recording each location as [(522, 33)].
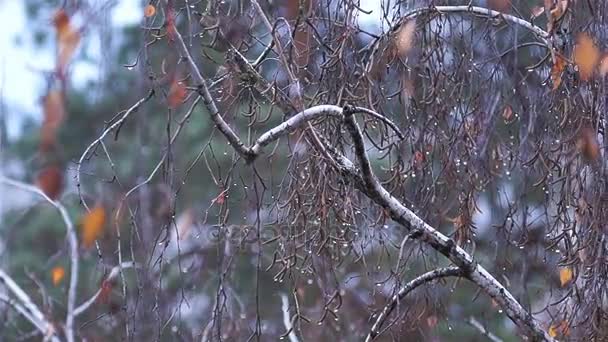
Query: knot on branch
[(348, 111)]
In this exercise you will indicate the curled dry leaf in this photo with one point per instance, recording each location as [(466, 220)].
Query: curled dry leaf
[(404, 40), (537, 11), (57, 275), (565, 275), (586, 56), (149, 10), (588, 145), (561, 329), (559, 64), (92, 226), (68, 38), (50, 181)]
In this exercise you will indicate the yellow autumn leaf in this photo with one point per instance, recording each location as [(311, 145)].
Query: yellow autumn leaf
[(565, 275), (92, 225), (57, 274), (560, 329)]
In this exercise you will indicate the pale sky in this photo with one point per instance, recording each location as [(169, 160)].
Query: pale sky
[(21, 81)]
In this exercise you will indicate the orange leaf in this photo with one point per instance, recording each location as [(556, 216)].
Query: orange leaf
[(565, 275), (586, 56), (54, 114), (50, 181), (92, 225), (149, 11), (177, 94), (67, 39), (57, 275), (559, 64)]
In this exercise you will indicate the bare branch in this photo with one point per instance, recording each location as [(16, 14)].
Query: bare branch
[(94, 144), (405, 290), (73, 243), (477, 325), (431, 236), (111, 276), (27, 307)]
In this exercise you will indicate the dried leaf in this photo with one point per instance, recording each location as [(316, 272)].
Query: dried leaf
[(603, 69), (559, 65), (92, 225), (57, 275), (588, 145), (432, 321), (50, 181), (67, 38), (561, 329), (507, 113), (565, 275), (54, 115), (405, 38), (184, 223), (105, 291), (500, 5), (586, 56), (418, 159), (177, 94), (149, 11), (537, 11)]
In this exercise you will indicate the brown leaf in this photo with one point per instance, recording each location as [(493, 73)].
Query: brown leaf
[(92, 225), (559, 64), (537, 11), (50, 181), (500, 5), (57, 275), (586, 56), (507, 113), (418, 159)]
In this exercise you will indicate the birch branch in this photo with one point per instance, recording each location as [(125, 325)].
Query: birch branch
[(94, 144), (541, 34), (404, 291), (27, 308), (422, 231), (73, 243)]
